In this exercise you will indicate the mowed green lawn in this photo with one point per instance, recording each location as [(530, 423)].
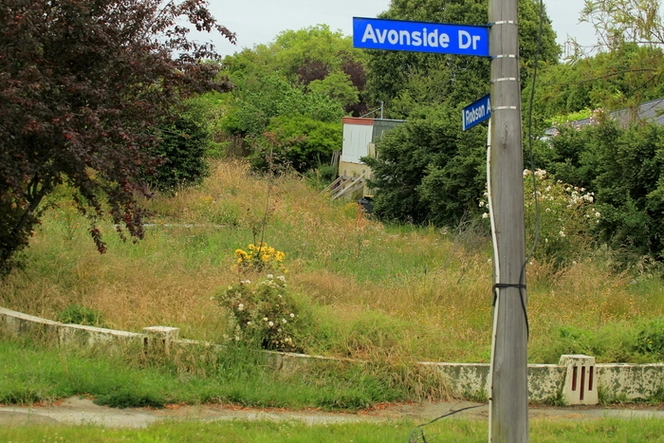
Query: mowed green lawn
[(402, 431)]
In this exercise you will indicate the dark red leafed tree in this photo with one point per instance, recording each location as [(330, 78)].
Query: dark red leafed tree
[(83, 85)]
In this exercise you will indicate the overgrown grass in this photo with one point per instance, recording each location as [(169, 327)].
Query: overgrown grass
[(458, 431), (371, 291), (33, 373)]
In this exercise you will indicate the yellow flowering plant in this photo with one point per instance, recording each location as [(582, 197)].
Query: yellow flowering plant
[(259, 258)]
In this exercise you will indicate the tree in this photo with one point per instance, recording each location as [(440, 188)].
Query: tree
[(83, 84), (253, 108), (315, 63), (183, 146), (622, 78), (291, 95), (404, 80), (623, 166), (428, 170), (617, 22), (625, 72)]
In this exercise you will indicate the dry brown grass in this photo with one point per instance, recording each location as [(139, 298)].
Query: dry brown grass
[(420, 293)]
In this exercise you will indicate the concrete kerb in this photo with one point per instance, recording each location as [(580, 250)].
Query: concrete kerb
[(547, 383)]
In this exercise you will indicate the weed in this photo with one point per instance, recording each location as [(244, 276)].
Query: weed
[(557, 400), (658, 397), (365, 289), (480, 396), (80, 315), (650, 339)]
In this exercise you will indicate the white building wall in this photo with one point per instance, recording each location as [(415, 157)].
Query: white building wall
[(356, 139)]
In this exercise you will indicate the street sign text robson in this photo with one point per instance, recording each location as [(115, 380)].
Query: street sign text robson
[(476, 112), (370, 33)]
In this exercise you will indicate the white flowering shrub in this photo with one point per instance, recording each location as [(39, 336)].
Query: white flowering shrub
[(567, 216), (263, 311)]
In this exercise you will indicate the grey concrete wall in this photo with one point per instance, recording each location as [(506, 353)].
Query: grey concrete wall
[(615, 382)]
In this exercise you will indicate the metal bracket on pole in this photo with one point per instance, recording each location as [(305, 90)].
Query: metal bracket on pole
[(505, 79), (504, 22)]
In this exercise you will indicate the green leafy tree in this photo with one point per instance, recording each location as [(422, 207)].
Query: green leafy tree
[(300, 57), (305, 76), (182, 149), (428, 170), (295, 49), (337, 86), (624, 70), (623, 78), (83, 84), (618, 22), (252, 110), (404, 80), (624, 167)]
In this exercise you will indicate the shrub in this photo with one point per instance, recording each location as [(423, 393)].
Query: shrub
[(565, 216), (259, 258), (624, 167), (562, 221), (263, 312), (650, 340), (308, 143), (80, 315), (428, 171), (182, 149)]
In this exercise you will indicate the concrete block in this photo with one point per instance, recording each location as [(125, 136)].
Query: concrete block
[(160, 339), (580, 386)]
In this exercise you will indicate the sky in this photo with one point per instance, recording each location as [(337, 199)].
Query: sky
[(259, 21)]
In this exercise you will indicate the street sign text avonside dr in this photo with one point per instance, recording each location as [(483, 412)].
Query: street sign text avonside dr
[(370, 33)]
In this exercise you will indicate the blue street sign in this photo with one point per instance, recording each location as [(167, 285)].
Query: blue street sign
[(371, 33), (476, 112)]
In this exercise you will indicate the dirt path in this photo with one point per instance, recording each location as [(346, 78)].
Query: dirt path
[(77, 410)]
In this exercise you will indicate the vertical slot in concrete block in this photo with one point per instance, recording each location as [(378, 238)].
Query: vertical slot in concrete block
[(580, 387)]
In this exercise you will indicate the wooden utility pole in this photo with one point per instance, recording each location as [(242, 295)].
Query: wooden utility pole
[(508, 415)]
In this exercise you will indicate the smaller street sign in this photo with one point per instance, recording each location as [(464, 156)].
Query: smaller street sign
[(476, 112), (396, 35)]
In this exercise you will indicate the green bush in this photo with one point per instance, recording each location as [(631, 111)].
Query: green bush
[(563, 218), (575, 341), (429, 171), (624, 168), (80, 315), (262, 312), (308, 143), (182, 149), (650, 339)]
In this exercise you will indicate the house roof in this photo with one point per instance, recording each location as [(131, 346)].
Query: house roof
[(652, 111)]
